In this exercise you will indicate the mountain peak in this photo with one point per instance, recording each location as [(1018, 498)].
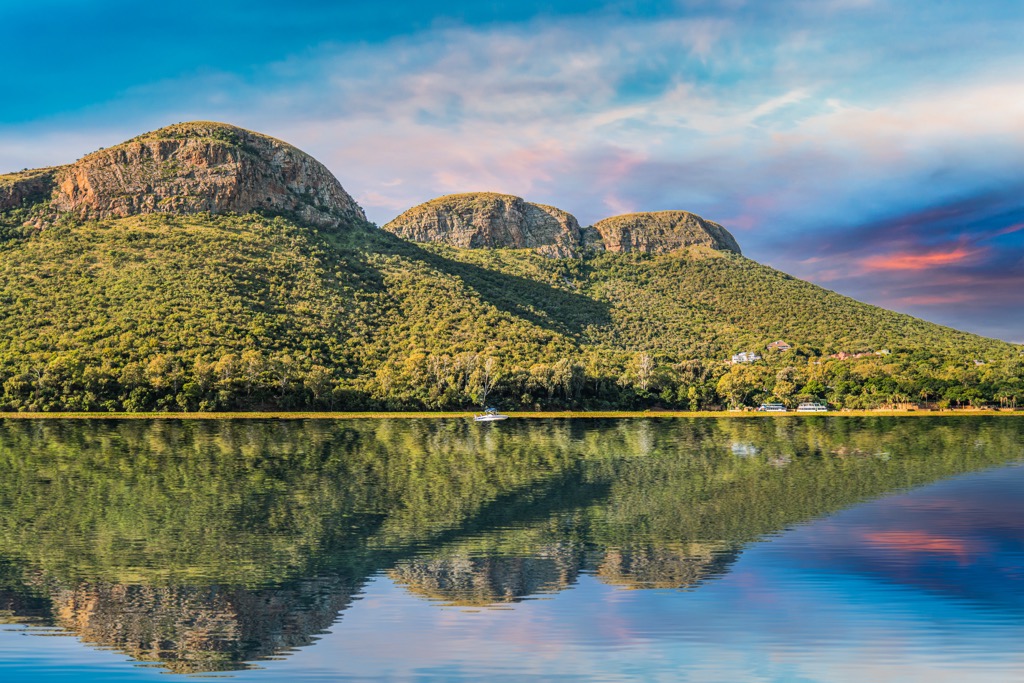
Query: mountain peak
[(661, 232), (195, 167), (491, 219)]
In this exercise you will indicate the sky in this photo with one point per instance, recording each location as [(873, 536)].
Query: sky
[(874, 147)]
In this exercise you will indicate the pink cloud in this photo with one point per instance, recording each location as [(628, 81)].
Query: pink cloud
[(1010, 230), (917, 261)]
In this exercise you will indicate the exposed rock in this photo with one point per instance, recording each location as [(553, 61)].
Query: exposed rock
[(487, 219), (201, 167), (25, 188), (663, 232)]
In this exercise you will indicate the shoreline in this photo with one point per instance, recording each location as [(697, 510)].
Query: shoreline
[(530, 415)]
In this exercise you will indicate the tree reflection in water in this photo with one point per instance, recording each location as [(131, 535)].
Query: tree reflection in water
[(209, 545)]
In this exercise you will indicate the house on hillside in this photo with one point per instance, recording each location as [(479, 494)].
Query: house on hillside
[(745, 357), (779, 346)]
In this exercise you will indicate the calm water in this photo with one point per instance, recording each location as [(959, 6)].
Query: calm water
[(821, 549)]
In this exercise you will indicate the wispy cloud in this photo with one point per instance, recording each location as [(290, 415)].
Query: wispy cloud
[(918, 261), (841, 141)]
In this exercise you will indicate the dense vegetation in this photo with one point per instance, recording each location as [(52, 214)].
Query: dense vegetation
[(204, 544), (201, 312)]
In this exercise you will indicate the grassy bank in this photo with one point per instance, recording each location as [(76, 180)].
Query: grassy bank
[(513, 414)]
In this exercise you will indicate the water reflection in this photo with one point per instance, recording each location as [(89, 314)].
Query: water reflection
[(207, 546), (482, 581), (191, 629)]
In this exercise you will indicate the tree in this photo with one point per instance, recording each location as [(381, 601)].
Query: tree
[(484, 377), (281, 368), (318, 380), (227, 368), (644, 370), (736, 385), (252, 368), (785, 384), (569, 378)]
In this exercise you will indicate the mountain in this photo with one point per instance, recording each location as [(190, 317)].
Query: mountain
[(491, 220), (476, 220), (205, 267), (663, 232), (187, 169)]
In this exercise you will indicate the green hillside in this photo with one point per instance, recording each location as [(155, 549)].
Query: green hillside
[(200, 311), (219, 312)]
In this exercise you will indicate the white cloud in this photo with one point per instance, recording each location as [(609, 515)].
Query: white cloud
[(598, 113)]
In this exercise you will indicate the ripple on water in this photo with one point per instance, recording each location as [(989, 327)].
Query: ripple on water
[(720, 550)]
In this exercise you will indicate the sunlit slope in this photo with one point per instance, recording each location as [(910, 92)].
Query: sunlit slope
[(200, 311), (705, 304), (229, 310)]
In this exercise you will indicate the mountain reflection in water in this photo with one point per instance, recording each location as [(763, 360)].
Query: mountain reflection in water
[(209, 545)]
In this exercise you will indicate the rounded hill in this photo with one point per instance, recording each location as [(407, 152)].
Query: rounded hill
[(661, 232), (489, 219), (189, 168)]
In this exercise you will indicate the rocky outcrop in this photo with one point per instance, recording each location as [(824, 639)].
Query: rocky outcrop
[(487, 219), (22, 189), (200, 167), (663, 232)]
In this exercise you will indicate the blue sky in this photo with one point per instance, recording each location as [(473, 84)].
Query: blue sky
[(874, 147)]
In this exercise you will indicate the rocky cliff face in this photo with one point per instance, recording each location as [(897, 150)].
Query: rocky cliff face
[(663, 232), (192, 168), (486, 219), (25, 188)]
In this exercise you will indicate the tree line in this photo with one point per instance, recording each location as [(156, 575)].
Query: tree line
[(254, 380)]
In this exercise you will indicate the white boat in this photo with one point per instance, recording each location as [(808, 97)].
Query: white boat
[(812, 408), (772, 408), (490, 415)]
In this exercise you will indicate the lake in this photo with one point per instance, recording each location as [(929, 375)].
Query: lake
[(779, 549)]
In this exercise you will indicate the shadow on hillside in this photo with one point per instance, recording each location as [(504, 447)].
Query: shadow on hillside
[(541, 304)]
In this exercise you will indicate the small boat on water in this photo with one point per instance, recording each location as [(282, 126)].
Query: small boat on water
[(812, 407), (772, 408), (490, 415)]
